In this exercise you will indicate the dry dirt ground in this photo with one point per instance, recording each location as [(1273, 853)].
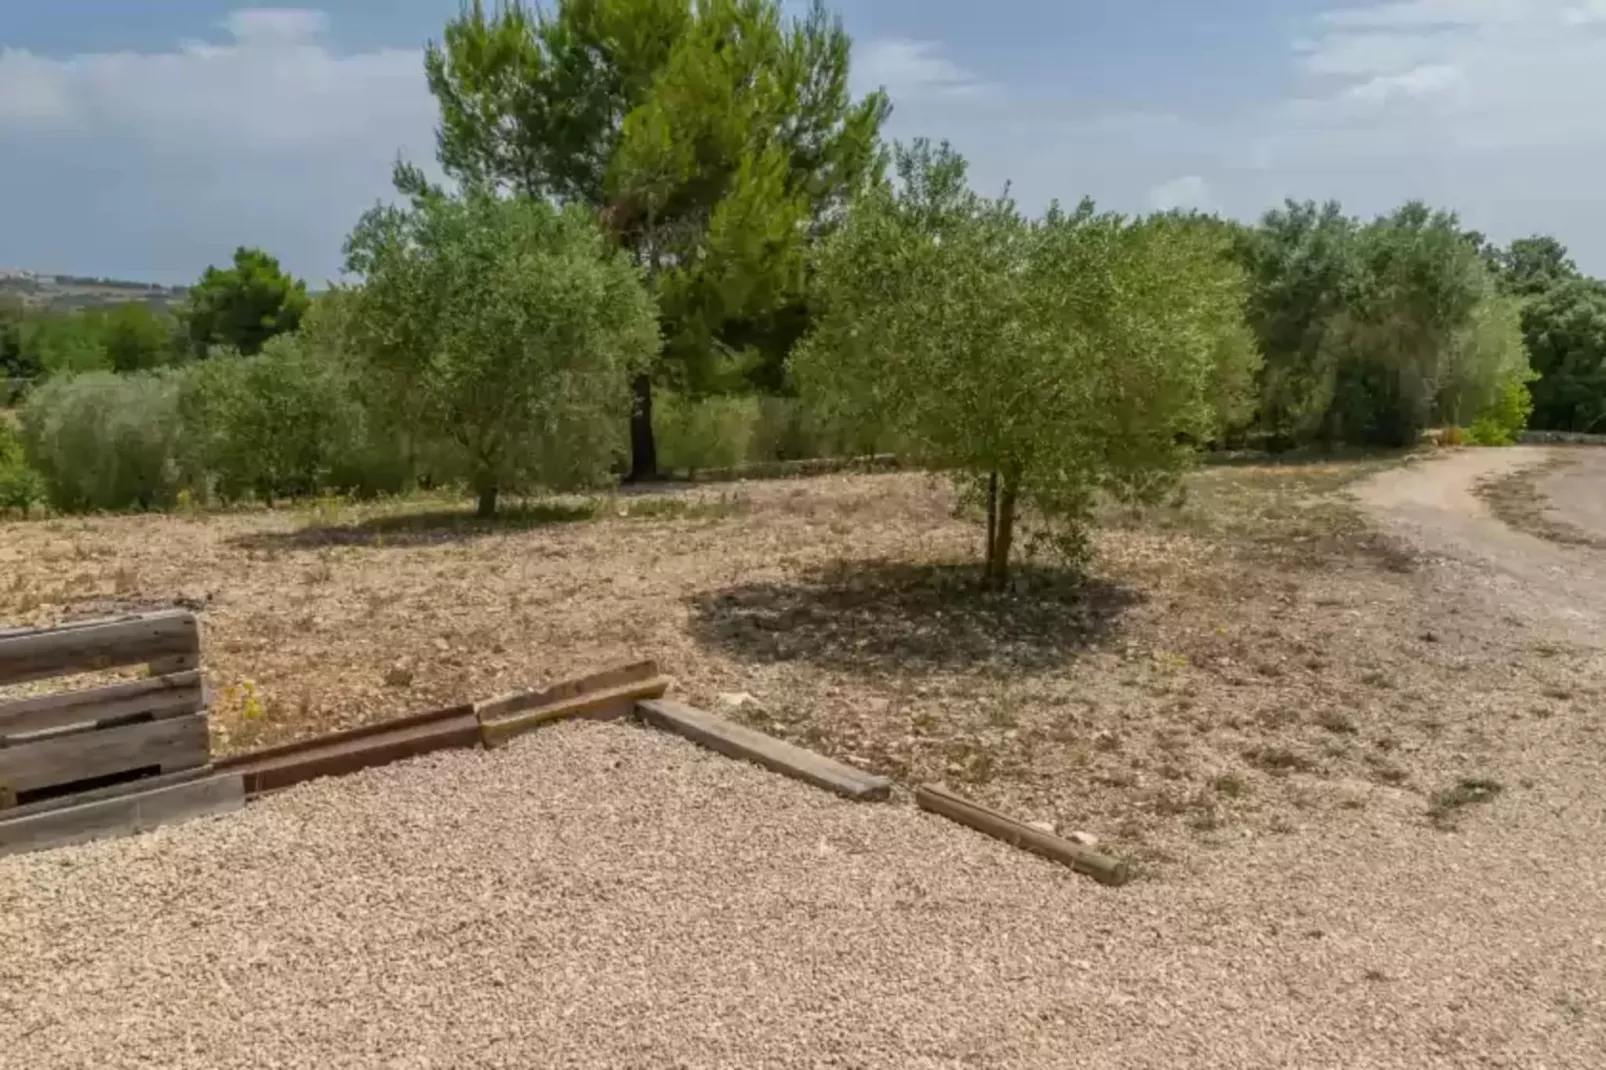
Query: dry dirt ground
[(1253, 663), (1353, 740)]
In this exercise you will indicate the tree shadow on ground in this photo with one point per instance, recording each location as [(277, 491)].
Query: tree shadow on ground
[(420, 528), (434, 526), (874, 616)]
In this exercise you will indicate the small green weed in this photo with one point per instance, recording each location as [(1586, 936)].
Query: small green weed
[(1445, 804)]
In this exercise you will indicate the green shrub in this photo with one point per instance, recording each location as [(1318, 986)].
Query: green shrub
[(105, 441), (21, 488), (278, 425), (10, 443), (720, 432), (1504, 419), (715, 432)]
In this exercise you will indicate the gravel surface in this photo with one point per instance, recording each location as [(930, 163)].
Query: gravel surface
[(603, 896)]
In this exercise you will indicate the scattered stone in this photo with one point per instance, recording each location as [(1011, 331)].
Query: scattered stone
[(1086, 839)]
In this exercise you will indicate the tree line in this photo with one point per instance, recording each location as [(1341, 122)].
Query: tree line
[(649, 201)]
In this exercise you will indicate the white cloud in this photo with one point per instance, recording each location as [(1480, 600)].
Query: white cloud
[(1187, 192), (281, 24), (269, 136), (1491, 107), (155, 164), (914, 70), (274, 87)]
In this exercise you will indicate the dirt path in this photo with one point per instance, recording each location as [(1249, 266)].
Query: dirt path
[(1432, 504)]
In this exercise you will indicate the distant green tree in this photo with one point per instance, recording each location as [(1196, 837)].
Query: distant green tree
[(1420, 289), (134, 336), (709, 137), (1304, 269), (244, 305), (1372, 331), (506, 328), (62, 344), (1565, 332), (14, 363), (1530, 266)]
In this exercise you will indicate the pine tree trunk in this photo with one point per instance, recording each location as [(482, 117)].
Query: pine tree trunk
[(487, 500), (643, 446)]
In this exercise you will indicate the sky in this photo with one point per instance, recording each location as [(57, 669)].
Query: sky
[(145, 141)]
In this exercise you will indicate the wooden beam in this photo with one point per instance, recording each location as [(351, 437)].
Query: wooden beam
[(169, 745), (1102, 868), (121, 815), (607, 679), (172, 637), (609, 704), (354, 749), (736, 741), (159, 696), (127, 787)]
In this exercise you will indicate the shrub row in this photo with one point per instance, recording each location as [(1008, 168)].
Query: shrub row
[(292, 422)]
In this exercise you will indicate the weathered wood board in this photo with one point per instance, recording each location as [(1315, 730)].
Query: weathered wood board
[(354, 749), (172, 638), (122, 814), (159, 697), (1100, 867), (167, 745), (606, 704), (736, 741), (606, 680)]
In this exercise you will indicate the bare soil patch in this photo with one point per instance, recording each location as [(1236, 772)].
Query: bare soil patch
[(1522, 499), (1256, 661)]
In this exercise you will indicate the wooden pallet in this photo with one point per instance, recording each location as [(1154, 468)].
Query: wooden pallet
[(105, 740)]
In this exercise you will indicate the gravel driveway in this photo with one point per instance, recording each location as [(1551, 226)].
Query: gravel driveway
[(603, 896)]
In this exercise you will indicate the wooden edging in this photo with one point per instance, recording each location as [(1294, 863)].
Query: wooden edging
[(159, 697), (1102, 868), (612, 703), (520, 701), (354, 749), (150, 801), (170, 640), (733, 740), (122, 814), (168, 745)]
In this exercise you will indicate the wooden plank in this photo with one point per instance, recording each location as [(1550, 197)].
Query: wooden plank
[(1102, 868), (122, 815), (727, 738), (127, 787), (94, 645), (350, 751), (347, 735), (615, 702), (607, 679), (172, 744), (159, 696)]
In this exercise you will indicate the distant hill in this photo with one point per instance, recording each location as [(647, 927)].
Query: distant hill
[(66, 293)]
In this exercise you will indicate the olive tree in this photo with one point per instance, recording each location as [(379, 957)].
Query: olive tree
[(505, 327), (1042, 361)]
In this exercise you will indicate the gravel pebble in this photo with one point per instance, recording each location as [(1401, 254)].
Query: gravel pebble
[(605, 896)]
